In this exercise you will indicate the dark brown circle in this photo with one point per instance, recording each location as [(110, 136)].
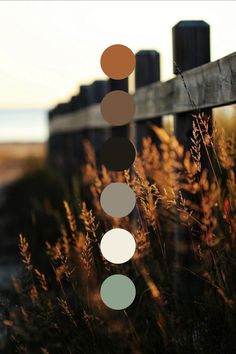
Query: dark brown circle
[(118, 153), (118, 107), (117, 61)]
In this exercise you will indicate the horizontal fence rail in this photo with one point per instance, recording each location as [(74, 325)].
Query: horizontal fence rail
[(209, 85)]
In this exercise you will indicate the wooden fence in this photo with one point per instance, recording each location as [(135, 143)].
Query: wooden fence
[(199, 85)]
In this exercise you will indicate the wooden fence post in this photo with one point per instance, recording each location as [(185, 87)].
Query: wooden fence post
[(60, 146), (122, 85), (91, 95), (79, 136), (97, 136), (191, 48), (72, 138), (118, 85), (147, 71), (74, 103)]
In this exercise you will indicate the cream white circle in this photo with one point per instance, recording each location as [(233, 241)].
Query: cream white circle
[(118, 246)]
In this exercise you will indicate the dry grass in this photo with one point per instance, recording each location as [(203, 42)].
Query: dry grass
[(184, 266)]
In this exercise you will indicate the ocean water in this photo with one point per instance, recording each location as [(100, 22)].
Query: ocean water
[(23, 125)]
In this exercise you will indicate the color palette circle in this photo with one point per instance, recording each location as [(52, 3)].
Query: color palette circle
[(117, 61), (117, 199), (118, 292), (118, 153), (118, 246), (118, 107)]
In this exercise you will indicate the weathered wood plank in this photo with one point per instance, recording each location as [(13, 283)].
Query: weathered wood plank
[(84, 119), (210, 85)]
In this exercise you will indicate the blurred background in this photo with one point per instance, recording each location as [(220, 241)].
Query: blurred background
[(47, 50)]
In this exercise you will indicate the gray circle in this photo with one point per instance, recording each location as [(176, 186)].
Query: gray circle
[(118, 199), (118, 292)]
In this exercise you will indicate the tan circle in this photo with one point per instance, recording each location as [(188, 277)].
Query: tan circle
[(118, 107), (117, 61)]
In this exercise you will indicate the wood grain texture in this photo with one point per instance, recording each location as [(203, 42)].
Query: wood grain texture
[(209, 85), (86, 118)]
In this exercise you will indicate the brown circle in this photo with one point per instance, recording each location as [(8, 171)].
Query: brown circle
[(117, 107), (118, 61)]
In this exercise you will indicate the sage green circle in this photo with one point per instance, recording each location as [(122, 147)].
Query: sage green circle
[(118, 292), (117, 199)]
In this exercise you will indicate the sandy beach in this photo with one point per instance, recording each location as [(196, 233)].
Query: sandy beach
[(15, 159)]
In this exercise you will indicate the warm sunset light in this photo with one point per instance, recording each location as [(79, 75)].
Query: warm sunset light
[(48, 48), (117, 177)]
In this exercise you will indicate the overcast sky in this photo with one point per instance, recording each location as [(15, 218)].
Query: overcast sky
[(48, 48)]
